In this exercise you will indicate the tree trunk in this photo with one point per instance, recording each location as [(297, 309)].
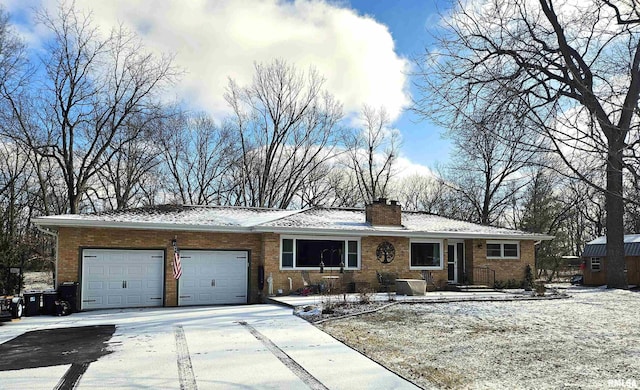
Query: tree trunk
[(615, 265)]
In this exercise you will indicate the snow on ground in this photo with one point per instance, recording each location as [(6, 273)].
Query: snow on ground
[(590, 341), (220, 343)]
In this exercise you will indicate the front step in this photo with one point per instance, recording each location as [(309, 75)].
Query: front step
[(475, 288)]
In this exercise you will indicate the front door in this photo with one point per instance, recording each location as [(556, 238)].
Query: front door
[(452, 264), (455, 261)]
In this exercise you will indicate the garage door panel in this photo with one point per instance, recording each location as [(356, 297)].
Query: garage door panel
[(185, 283), (134, 300), (114, 300), (117, 270), (95, 286), (115, 278), (135, 284), (114, 285), (151, 284), (97, 269), (213, 277), (136, 271)]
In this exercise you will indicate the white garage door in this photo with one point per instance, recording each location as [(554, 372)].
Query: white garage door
[(213, 278), (114, 278)]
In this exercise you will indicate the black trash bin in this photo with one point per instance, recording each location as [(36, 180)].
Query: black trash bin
[(32, 303), (69, 291), (49, 299)]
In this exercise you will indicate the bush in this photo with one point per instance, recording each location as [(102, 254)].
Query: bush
[(540, 289), (507, 284), (365, 295), (10, 283), (527, 283)]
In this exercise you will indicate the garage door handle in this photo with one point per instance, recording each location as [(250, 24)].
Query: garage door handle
[(213, 282)]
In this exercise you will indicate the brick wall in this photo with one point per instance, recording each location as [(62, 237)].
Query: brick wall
[(506, 269), (363, 277), (72, 240)]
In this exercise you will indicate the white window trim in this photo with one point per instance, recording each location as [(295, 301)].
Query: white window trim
[(328, 238), (502, 256), (426, 268), (599, 264)]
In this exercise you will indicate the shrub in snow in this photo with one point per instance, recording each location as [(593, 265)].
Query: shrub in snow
[(527, 283)]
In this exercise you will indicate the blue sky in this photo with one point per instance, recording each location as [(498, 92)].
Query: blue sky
[(364, 48), (410, 23)]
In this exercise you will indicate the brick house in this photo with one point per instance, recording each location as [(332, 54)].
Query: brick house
[(233, 255), (594, 257)]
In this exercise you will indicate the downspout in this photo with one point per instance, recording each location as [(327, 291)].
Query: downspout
[(53, 234)]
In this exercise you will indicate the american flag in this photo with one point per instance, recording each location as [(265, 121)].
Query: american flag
[(177, 266)]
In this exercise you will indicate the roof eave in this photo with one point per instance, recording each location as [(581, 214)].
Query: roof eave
[(63, 222), (58, 222), (400, 233)]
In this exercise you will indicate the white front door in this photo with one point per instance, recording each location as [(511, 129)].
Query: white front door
[(452, 264), (455, 261), (213, 277), (118, 278)]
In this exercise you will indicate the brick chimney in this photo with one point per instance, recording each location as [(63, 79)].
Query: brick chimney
[(381, 213)]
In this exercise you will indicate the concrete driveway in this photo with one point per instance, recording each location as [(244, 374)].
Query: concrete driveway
[(228, 347)]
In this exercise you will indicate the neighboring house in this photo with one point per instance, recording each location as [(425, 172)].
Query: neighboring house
[(594, 256), (230, 254)]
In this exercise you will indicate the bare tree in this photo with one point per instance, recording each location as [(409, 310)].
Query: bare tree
[(372, 150), (333, 185), (14, 69), (125, 179), (93, 85), (198, 157), (422, 193), (486, 168), (287, 127), (575, 67)]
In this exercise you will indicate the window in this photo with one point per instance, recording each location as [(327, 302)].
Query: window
[(494, 250), (426, 255), (595, 264), (287, 253), (307, 253), (503, 250), (352, 254)]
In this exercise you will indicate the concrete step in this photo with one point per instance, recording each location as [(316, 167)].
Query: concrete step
[(475, 288)]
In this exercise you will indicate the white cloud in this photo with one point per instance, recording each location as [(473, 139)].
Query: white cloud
[(214, 40), (403, 167)]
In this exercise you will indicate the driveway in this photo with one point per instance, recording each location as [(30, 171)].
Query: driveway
[(233, 347)]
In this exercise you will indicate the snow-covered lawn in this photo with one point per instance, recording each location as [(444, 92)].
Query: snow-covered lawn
[(591, 341)]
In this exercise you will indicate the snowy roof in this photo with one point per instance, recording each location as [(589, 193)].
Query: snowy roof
[(598, 247), (224, 217), (325, 221), (628, 239)]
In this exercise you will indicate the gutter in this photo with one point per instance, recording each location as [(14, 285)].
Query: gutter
[(55, 235)]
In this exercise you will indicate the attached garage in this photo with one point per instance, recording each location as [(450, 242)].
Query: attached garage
[(118, 278), (213, 277)]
